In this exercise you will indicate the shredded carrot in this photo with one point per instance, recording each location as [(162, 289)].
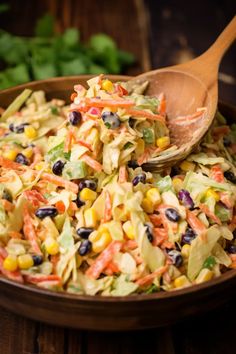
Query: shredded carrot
[(38, 278), (73, 96), (59, 181), (129, 245), (195, 223), (108, 207), (217, 174), (208, 213), (162, 104), (103, 259), (144, 157), (91, 162), (5, 163), (156, 219), (148, 279), (29, 231), (3, 252), (35, 197), (37, 157), (85, 144), (123, 176), (60, 207), (8, 206), (68, 141), (2, 131), (184, 120), (160, 235), (226, 200), (145, 114), (14, 234), (96, 102), (233, 265), (54, 260), (112, 268), (232, 225)]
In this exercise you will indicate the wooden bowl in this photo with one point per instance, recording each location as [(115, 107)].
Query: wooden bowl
[(109, 313)]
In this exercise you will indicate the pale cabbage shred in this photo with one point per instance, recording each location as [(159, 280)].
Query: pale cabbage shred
[(127, 201)]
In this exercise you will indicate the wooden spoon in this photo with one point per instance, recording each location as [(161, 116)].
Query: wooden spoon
[(188, 87)]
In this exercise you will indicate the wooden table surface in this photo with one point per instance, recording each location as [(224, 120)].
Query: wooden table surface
[(159, 33)]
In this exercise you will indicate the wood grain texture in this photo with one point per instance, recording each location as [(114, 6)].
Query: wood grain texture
[(17, 334), (51, 339)]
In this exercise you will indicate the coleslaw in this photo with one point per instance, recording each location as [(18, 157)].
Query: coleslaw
[(79, 214)]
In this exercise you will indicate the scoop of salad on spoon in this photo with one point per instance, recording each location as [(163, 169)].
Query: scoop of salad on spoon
[(191, 92)]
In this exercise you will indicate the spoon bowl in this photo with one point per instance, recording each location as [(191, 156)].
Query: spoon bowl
[(188, 87)]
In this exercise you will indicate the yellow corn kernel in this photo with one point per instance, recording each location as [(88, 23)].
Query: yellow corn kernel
[(51, 246), (10, 154), (129, 230), (25, 261), (177, 184), (163, 142), (181, 282), (28, 152), (187, 166), (210, 193), (104, 240), (204, 275), (39, 166), (90, 217), (87, 194), (30, 132), (10, 263), (107, 85), (153, 195), (185, 250), (147, 206)]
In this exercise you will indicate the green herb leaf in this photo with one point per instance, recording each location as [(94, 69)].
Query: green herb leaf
[(70, 37), (45, 26), (127, 145), (209, 262)]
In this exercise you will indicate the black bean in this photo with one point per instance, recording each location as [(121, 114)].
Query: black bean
[(226, 141), (22, 159), (79, 202), (131, 122), (231, 248), (149, 232), (84, 232), (38, 259), (11, 127), (175, 257), (175, 171), (57, 168), (45, 211), (172, 214), (189, 236), (6, 194), (230, 176), (85, 247), (88, 183), (139, 179), (20, 128), (111, 120), (133, 164), (75, 117)]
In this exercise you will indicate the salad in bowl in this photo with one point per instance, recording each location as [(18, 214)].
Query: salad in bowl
[(80, 214)]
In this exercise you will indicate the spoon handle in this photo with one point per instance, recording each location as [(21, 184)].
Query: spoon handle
[(215, 53)]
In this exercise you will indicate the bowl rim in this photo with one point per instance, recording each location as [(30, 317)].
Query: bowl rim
[(163, 295)]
